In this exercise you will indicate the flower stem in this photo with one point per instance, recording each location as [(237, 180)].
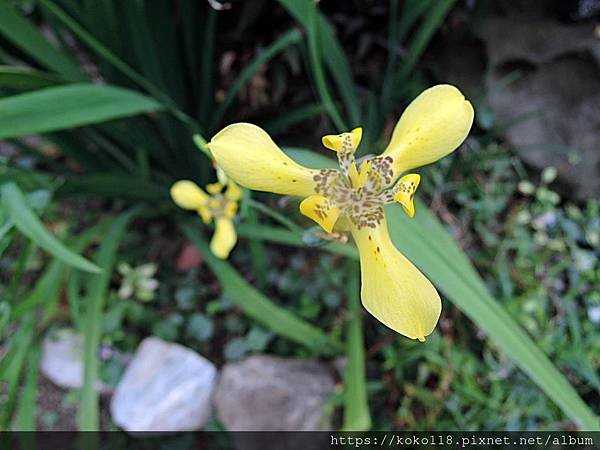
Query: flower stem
[(356, 405)]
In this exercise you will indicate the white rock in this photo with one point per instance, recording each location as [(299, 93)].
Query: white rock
[(62, 360), (166, 387), (594, 314)]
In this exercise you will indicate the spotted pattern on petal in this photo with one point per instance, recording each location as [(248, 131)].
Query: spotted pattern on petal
[(370, 219)]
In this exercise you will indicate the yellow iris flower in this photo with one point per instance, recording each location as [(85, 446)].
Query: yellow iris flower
[(214, 204), (351, 198)]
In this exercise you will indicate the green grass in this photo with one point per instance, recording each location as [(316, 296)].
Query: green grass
[(515, 348)]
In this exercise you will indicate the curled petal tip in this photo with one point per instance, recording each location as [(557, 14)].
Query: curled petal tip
[(319, 209), (432, 126), (343, 142)]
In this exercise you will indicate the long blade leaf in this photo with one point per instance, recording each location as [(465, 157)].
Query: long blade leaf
[(281, 43), (15, 205), (22, 78), (61, 107), (11, 366), (18, 30), (26, 412), (260, 308), (97, 290), (428, 245), (334, 56), (48, 287)]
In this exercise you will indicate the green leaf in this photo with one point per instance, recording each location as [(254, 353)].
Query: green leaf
[(22, 78), (395, 80), (113, 185), (27, 179), (11, 366), (105, 53), (5, 227), (258, 307), (313, 30), (309, 158), (356, 405), (433, 20), (427, 244), (207, 41), (15, 205), (4, 317), (15, 28), (294, 116), (281, 43), (26, 411), (48, 287), (61, 107), (399, 27), (258, 254), (281, 236), (97, 291), (332, 52)]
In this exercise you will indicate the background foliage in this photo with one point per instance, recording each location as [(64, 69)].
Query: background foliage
[(111, 95)]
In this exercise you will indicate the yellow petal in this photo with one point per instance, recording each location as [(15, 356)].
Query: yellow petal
[(214, 188), (224, 238), (405, 192), (188, 195), (347, 142), (433, 125), (233, 191), (205, 213), (230, 209), (320, 209), (249, 156), (393, 289)]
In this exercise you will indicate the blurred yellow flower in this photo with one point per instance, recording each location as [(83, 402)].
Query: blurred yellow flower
[(351, 198), (214, 204)]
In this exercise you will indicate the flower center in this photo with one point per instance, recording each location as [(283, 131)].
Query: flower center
[(220, 205), (358, 191)]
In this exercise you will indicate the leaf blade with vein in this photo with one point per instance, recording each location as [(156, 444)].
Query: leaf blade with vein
[(14, 203), (61, 107)]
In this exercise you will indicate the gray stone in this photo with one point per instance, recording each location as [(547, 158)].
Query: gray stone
[(264, 393), (554, 107), (555, 116), (62, 360), (166, 387), (536, 40)]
